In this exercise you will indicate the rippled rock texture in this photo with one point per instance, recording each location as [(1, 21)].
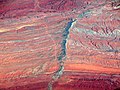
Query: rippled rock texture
[(59, 45)]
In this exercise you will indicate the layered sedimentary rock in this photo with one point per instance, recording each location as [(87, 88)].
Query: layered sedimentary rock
[(59, 45)]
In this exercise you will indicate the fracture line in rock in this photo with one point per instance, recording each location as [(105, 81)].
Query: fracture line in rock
[(62, 55)]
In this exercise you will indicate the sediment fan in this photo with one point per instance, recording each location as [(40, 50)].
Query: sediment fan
[(59, 45)]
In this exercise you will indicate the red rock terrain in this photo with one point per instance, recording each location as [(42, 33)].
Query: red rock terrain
[(59, 45)]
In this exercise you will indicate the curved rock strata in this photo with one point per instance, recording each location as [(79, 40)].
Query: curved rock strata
[(59, 45)]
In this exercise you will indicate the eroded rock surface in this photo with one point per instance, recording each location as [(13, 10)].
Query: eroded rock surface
[(59, 44)]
